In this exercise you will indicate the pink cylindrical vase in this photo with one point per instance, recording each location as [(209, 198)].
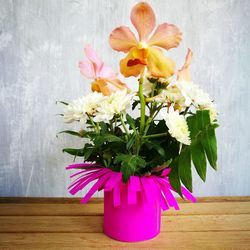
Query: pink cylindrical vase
[(131, 222)]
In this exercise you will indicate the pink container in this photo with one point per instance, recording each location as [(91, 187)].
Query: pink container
[(131, 222), (132, 211)]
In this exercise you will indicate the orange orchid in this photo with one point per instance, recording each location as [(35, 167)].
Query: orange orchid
[(145, 52), (105, 80)]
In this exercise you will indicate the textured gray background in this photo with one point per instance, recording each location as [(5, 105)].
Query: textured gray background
[(41, 42)]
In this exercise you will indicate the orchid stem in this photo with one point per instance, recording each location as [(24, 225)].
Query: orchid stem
[(143, 103)]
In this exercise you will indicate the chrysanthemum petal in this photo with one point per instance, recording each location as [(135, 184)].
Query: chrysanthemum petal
[(143, 18), (166, 36), (184, 73), (87, 69), (122, 39), (159, 65)]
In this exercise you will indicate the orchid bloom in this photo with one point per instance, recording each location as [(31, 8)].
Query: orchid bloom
[(184, 73), (143, 53), (105, 80)]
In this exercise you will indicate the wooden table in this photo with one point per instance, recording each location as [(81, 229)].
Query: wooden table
[(61, 223)]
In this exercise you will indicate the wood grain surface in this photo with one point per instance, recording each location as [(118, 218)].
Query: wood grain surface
[(62, 223)]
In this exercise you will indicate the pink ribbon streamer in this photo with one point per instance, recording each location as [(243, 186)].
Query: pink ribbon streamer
[(150, 187)]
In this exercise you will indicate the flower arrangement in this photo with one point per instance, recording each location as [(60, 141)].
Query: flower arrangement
[(175, 127)]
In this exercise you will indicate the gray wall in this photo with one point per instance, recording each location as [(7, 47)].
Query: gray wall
[(41, 42)]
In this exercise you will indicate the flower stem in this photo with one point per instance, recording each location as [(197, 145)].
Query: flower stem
[(155, 135), (96, 127), (124, 126), (152, 117), (143, 103)]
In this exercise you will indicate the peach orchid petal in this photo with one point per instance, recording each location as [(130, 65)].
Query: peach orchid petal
[(143, 18), (116, 84), (166, 36), (87, 69), (184, 73), (100, 86), (94, 58), (122, 39), (159, 65), (131, 65)]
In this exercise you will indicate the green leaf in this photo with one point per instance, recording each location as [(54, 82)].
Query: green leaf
[(208, 140), (126, 173), (199, 160), (62, 102), (130, 121), (210, 145), (192, 126), (154, 145), (104, 127), (70, 132), (87, 153), (202, 132), (131, 141), (174, 178), (129, 164), (203, 119), (184, 167), (74, 151), (99, 140)]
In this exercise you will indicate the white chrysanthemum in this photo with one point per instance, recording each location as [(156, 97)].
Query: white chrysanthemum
[(74, 111), (177, 125), (171, 94), (194, 94), (115, 104), (79, 109)]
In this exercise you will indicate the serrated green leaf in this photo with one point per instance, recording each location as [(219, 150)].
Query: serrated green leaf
[(184, 167), (99, 140), (199, 160), (129, 164)]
